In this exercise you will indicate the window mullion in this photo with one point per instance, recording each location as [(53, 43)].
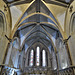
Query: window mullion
[(34, 57), (40, 58), (46, 59)]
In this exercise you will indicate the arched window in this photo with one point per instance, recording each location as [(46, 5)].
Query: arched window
[(72, 23), (38, 56), (1, 24), (44, 58), (31, 57)]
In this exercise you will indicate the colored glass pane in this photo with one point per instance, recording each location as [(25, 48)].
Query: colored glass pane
[(31, 57), (37, 56)]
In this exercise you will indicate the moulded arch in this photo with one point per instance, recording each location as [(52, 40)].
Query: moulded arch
[(43, 33), (37, 13), (27, 50)]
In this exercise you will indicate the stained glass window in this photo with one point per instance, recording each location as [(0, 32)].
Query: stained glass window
[(43, 58), (37, 56), (31, 57), (40, 59)]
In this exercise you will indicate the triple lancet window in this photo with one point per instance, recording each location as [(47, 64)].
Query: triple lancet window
[(38, 57)]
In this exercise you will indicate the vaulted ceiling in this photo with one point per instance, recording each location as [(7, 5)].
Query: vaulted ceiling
[(63, 1), (28, 1), (40, 22)]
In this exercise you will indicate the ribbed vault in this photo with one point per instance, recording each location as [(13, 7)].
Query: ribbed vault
[(37, 26), (44, 27)]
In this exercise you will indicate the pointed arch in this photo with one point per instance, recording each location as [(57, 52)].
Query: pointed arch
[(31, 61)]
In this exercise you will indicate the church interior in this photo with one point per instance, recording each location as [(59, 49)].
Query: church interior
[(37, 37)]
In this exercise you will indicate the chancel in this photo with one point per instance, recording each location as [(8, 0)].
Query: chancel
[(37, 37)]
